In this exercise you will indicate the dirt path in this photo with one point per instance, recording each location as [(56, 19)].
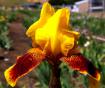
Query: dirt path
[(20, 44)]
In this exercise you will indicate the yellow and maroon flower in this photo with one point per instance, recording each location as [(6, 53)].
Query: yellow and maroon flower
[(52, 40)]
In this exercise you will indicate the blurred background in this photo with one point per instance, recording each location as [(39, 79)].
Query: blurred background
[(87, 17)]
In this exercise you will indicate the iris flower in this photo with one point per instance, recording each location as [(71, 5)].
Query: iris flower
[(53, 40)]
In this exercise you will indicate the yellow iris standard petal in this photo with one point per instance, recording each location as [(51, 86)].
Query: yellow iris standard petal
[(24, 65), (68, 40), (67, 44), (46, 12), (64, 18), (53, 29), (50, 32), (57, 33)]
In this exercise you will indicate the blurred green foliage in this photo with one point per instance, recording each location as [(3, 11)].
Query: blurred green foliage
[(41, 73), (4, 40), (1, 85), (25, 16), (94, 25)]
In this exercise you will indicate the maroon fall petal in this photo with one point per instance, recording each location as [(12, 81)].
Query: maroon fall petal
[(80, 63), (24, 65)]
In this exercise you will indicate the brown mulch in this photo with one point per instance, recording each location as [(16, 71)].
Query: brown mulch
[(20, 44)]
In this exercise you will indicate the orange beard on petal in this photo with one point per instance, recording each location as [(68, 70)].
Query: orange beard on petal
[(24, 65), (83, 65)]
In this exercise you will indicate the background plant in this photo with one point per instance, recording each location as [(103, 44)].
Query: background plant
[(4, 40)]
